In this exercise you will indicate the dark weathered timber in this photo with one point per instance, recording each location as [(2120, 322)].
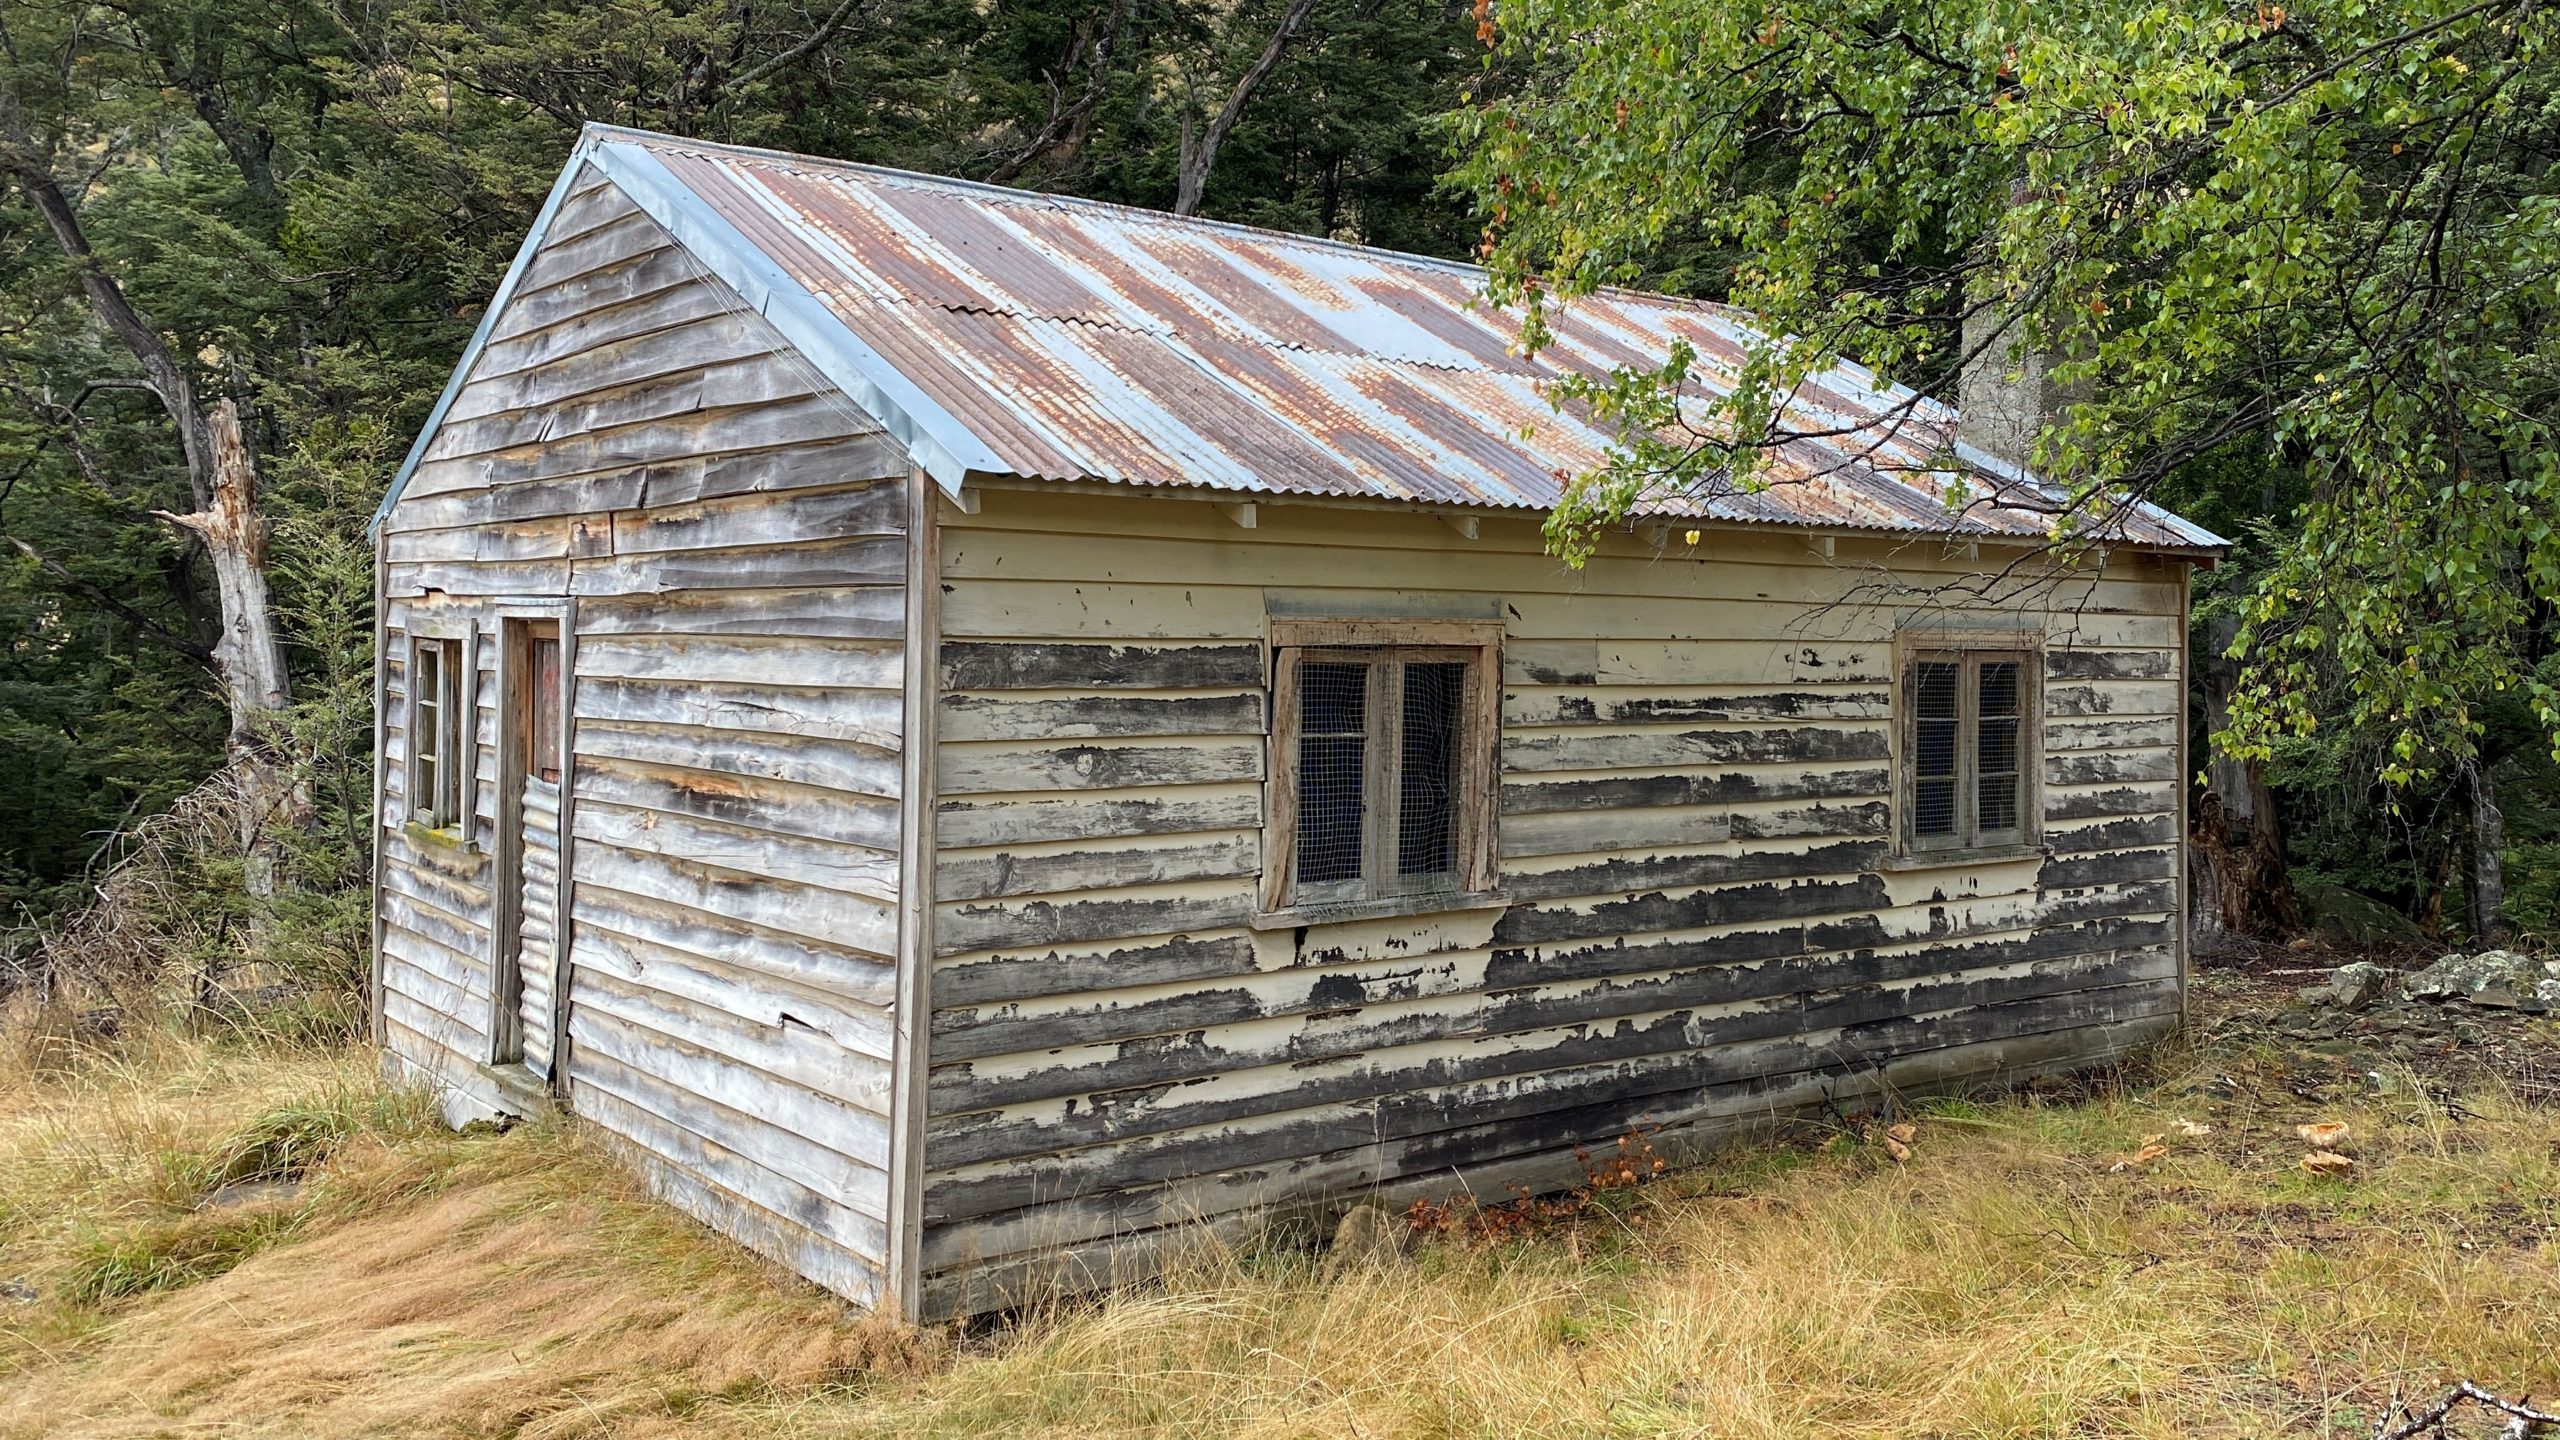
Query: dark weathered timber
[(2072, 664), (1381, 1171), (2124, 834), (2103, 803), (1570, 709), (995, 665), (1873, 818), (1152, 1043), (1009, 1258), (970, 770), (1106, 716), (963, 928), (1515, 968), (2152, 898), (1002, 977), (964, 825), (1627, 875), (1640, 791), (1662, 749), (2114, 867), (1435, 1098), (1698, 910), (2103, 768)]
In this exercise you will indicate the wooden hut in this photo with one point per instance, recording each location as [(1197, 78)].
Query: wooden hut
[(972, 734)]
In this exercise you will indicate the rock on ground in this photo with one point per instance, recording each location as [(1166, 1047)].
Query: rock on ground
[(2501, 979)]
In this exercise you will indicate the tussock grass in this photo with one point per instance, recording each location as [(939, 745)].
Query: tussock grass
[(379, 1276), (390, 1278), (2006, 1282)]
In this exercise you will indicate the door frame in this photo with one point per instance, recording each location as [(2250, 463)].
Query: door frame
[(517, 624)]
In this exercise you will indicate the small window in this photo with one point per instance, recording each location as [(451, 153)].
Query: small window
[(1968, 758), (435, 733), (1382, 767)]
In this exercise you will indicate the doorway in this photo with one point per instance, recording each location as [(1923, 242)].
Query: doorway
[(535, 760)]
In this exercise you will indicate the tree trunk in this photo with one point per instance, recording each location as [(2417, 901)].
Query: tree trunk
[(222, 477), (248, 655), (221, 474), (2487, 882), (1062, 136), (2239, 836), (1200, 153)]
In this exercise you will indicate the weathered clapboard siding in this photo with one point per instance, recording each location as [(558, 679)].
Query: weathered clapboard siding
[(435, 903), (639, 452), (1695, 838)]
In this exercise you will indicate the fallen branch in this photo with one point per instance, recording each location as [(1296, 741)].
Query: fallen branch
[(2522, 1419)]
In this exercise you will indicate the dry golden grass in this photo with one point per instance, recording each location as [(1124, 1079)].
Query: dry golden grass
[(416, 1283), (2005, 1282)]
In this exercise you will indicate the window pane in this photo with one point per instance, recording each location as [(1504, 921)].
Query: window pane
[(542, 699), (1433, 694), (426, 735), (1999, 688), (1933, 689), (1933, 750), (1996, 747), (1933, 807), (1333, 698), (1332, 711), (426, 692), (1999, 802), (1998, 751)]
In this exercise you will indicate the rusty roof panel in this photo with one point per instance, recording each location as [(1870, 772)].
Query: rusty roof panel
[(1072, 339)]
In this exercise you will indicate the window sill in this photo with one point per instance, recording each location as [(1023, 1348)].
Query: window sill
[(1385, 907), (1959, 859), (448, 837)]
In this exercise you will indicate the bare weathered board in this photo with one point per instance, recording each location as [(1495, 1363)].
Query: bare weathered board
[(1706, 921), (640, 451)]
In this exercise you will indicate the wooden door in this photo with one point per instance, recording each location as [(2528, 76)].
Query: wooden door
[(535, 769)]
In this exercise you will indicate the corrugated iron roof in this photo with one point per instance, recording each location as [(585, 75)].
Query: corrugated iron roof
[(1065, 339)]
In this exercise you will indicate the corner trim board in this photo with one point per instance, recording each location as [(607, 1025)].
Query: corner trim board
[(912, 1026), (373, 832)]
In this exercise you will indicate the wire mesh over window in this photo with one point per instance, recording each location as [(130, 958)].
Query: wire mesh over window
[(1969, 749), (1333, 705), (1426, 836), (1996, 749), (1383, 752)]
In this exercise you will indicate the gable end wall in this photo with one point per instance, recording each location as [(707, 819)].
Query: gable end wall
[(723, 533)]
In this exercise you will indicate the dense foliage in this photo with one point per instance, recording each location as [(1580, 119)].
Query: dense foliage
[(2300, 267), (309, 201)]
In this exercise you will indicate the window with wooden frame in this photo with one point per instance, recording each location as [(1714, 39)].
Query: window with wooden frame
[(1384, 762), (435, 733), (1970, 743)]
